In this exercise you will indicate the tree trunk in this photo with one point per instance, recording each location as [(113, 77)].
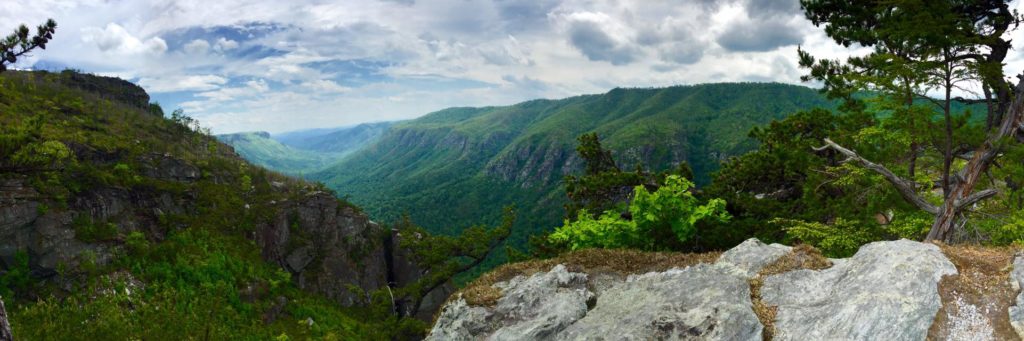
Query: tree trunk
[(962, 195), (942, 228), (5, 327)]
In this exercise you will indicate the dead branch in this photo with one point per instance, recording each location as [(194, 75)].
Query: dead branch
[(903, 186)]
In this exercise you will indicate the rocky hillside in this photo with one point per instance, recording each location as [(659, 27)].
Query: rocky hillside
[(895, 290), (113, 218)]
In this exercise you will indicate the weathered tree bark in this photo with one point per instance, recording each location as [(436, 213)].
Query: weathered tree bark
[(961, 194), (5, 327)]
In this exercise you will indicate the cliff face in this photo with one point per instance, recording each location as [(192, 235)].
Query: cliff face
[(898, 290), (329, 248), (5, 326), (133, 176)]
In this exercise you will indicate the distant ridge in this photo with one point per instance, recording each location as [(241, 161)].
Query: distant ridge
[(459, 166)]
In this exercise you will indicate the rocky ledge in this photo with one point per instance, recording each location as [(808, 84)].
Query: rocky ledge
[(891, 290)]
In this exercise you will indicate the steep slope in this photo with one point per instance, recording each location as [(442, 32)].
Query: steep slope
[(457, 166), (337, 141), (303, 152), (260, 149), (116, 223)]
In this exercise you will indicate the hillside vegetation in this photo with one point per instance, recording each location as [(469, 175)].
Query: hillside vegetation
[(118, 223), (340, 141), (260, 149), (454, 167)]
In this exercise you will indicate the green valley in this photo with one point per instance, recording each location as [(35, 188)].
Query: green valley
[(459, 166)]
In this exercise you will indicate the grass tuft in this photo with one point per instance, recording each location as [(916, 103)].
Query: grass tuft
[(802, 256)]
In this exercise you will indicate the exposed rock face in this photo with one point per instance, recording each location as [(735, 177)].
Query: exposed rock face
[(5, 326), (705, 301), (404, 271), (27, 225), (752, 255), (327, 247), (1017, 282), (534, 308), (887, 291)]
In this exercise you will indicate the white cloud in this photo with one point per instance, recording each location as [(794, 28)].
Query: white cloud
[(224, 44), (342, 62), (197, 46), (115, 39), (182, 83)]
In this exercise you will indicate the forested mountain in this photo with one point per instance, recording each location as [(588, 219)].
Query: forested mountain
[(119, 223), (460, 166), (260, 149), (336, 140), (306, 151)]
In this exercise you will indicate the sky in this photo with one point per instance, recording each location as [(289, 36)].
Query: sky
[(276, 66)]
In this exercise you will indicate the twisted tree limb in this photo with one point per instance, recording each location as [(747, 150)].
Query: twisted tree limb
[(903, 186)]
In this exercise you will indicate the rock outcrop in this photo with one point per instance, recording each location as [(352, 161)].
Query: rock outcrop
[(704, 301), (1017, 282), (329, 247), (5, 326), (887, 291)]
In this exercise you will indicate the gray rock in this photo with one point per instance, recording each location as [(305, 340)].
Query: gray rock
[(459, 321), (701, 302), (752, 255), (1017, 282), (887, 291), (405, 271), (534, 308), (5, 326), (298, 259)]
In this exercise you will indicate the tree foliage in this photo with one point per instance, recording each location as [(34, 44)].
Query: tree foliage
[(20, 43), (921, 48), (662, 220), (442, 257)]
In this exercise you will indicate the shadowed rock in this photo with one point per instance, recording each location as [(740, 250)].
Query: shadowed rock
[(5, 327)]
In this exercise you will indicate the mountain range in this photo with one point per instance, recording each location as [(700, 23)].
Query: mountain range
[(304, 151), (457, 167)]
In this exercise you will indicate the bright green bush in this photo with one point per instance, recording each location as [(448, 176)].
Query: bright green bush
[(609, 232), (660, 220)]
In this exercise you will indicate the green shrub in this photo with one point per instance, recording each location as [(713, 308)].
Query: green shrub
[(90, 231), (661, 220), (16, 279), (839, 239)]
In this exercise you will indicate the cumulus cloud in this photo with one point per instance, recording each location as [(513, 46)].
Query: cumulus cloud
[(600, 38), (267, 62), (765, 37), (115, 39), (764, 26), (197, 46), (224, 44)]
